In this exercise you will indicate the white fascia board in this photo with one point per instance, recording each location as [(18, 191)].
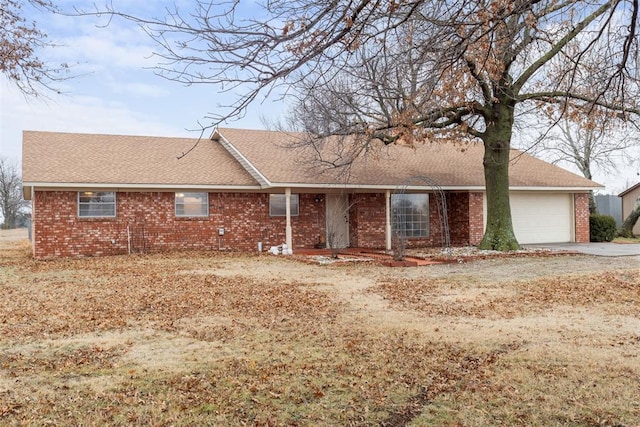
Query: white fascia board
[(557, 189), (276, 186), (420, 187), (244, 162), (370, 187), (141, 187)]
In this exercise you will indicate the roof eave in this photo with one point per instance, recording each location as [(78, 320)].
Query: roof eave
[(427, 187), (629, 190), (140, 186)]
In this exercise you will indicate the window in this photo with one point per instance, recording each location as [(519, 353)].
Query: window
[(96, 204), (410, 215), (192, 204), (277, 205)]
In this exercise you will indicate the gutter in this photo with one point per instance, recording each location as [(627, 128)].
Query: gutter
[(128, 187), (422, 187), (28, 187)]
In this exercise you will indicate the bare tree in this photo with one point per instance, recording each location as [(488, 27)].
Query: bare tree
[(404, 71), (11, 201), (20, 42), (588, 145)]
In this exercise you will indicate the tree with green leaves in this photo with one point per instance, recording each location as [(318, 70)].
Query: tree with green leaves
[(408, 71)]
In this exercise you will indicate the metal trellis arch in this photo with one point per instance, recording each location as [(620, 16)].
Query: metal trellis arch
[(399, 214)]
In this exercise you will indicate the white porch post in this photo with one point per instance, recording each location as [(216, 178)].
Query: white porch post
[(288, 232), (387, 223)]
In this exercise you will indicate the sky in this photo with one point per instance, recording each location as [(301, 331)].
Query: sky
[(114, 90)]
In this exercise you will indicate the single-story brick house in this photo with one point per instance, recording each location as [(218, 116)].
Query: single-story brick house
[(241, 189), (630, 198)]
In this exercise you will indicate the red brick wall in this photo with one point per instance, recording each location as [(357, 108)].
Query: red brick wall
[(464, 211), (147, 221), (458, 213), (466, 218), (581, 209), (367, 218), (476, 218)]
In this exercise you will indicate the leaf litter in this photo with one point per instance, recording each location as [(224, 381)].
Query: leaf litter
[(217, 339)]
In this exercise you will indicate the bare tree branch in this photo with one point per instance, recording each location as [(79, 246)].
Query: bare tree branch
[(412, 71), (20, 42)]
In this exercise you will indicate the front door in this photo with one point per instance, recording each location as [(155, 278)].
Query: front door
[(337, 220)]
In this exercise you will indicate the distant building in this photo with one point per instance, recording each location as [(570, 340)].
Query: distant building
[(610, 204), (630, 198)]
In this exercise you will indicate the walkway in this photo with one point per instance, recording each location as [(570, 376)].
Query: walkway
[(597, 249)]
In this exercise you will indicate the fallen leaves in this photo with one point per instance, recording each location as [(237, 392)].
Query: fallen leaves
[(66, 297), (199, 338), (612, 292)]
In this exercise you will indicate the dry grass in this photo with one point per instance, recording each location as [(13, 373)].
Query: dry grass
[(206, 339), (626, 240)]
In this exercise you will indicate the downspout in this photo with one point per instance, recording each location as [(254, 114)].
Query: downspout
[(288, 231), (387, 222)]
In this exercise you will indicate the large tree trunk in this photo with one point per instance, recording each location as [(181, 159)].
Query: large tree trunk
[(630, 221), (499, 233)]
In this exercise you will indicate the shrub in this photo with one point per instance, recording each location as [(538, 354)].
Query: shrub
[(602, 228)]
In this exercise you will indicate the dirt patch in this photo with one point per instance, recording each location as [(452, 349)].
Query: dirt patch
[(8, 238)]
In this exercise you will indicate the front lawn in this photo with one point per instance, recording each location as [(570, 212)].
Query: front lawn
[(189, 339)]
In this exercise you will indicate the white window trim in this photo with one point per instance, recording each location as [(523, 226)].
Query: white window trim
[(422, 235), (205, 204), (115, 205)]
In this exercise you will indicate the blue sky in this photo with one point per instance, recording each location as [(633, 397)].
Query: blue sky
[(115, 92)]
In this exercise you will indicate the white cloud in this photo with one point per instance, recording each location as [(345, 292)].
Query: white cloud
[(112, 91), (140, 89), (72, 114), (106, 51)]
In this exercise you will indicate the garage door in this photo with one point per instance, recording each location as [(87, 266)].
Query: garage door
[(542, 218)]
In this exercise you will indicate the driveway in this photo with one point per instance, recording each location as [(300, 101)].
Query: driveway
[(598, 249)]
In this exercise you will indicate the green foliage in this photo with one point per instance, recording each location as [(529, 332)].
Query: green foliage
[(602, 228)]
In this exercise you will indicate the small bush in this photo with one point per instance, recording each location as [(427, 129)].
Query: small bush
[(602, 228)]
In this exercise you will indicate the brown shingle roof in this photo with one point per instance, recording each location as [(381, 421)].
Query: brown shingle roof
[(71, 158), (53, 157), (447, 164)]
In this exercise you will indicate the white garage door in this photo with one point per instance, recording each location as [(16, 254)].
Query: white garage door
[(542, 218)]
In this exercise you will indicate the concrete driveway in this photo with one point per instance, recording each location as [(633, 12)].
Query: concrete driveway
[(598, 249)]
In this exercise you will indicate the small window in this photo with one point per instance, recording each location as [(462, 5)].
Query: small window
[(277, 205), (96, 204), (410, 215), (192, 204)]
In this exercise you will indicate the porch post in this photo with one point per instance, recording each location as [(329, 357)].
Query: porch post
[(387, 223), (288, 232)]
